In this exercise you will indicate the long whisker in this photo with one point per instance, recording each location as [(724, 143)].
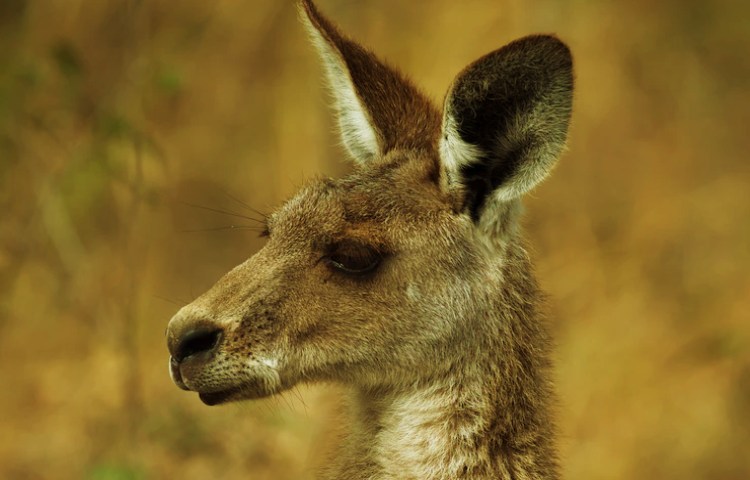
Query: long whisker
[(228, 227), (169, 300), (224, 212), (295, 391), (286, 401), (232, 197)]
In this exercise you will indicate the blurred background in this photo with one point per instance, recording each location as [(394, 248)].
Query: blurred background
[(133, 131)]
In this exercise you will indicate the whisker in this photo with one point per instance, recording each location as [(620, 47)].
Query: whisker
[(288, 404), (228, 227), (268, 410), (295, 391), (179, 303), (277, 406), (232, 197), (224, 212)]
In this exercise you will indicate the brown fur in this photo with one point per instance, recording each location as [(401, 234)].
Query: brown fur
[(441, 342), (404, 117)]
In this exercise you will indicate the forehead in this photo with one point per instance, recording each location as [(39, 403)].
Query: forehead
[(375, 202)]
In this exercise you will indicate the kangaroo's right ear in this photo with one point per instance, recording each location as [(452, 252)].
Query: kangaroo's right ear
[(377, 108), (505, 121)]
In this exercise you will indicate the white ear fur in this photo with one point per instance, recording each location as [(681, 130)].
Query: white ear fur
[(505, 121), (454, 151), (456, 154), (355, 126)]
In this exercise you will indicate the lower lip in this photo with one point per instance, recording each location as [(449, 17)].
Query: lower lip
[(215, 398)]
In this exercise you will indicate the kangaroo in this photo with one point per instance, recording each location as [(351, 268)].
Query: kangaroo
[(407, 281)]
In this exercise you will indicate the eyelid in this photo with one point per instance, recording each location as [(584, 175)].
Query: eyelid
[(342, 268), (350, 249)]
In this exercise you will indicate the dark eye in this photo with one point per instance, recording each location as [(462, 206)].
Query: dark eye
[(353, 258)]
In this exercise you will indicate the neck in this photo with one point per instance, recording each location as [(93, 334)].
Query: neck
[(483, 414), (443, 432), (484, 419)]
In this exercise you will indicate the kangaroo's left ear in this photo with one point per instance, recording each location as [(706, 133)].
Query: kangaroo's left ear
[(505, 121)]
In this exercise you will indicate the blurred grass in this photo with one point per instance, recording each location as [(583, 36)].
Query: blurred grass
[(116, 115)]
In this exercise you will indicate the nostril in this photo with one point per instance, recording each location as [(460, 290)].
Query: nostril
[(197, 341)]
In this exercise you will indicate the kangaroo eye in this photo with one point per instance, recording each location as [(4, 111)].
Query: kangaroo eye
[(353, 258)]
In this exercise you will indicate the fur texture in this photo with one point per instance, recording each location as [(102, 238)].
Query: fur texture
[(407, 280)]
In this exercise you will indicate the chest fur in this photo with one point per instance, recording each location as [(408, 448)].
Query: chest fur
[(433, 433)]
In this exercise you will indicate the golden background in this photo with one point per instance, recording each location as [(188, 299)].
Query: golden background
[(119, 120)]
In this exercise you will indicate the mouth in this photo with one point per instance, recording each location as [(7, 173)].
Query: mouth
[(216, 398), (265, 383), (209, 398)]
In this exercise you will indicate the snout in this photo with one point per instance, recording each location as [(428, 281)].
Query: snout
[(192, 341), (209, 357)]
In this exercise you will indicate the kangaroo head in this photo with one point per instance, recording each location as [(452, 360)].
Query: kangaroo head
[(368, 278)]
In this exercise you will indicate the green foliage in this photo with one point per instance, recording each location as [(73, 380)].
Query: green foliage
[(170, 81), (116, 471)]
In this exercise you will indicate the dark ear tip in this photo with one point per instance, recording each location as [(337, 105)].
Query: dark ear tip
[(308, 9), (551, 47), (309, 12), (549, 39)]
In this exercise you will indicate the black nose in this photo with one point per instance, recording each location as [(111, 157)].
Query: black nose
[(195, 341)]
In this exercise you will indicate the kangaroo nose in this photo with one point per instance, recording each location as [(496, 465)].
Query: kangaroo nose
[(203, 338)]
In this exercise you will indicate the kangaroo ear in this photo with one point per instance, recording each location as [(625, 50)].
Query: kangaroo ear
[(377, 108), (505, 121)]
